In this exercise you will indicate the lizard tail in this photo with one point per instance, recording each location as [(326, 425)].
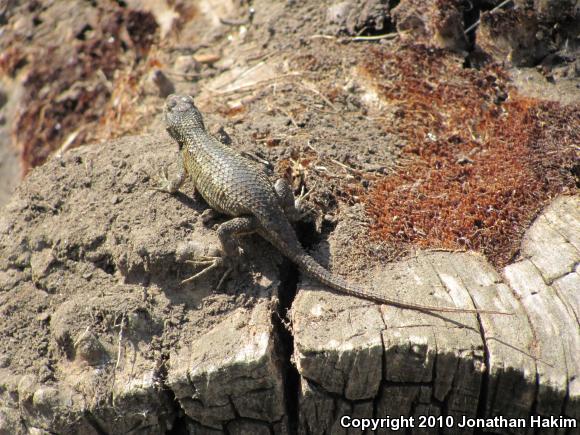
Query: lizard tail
[(310, 267)]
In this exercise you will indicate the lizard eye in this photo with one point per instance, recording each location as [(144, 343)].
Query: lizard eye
[(171, 102)]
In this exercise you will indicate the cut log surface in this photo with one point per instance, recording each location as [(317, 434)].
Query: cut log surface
[(451, 364), (99, 335)]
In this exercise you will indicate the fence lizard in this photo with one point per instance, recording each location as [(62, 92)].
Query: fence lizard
[(237, 187)]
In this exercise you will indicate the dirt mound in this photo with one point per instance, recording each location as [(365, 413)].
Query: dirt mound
[(92, 260)]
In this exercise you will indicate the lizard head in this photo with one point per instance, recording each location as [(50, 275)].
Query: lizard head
[(181, 117)]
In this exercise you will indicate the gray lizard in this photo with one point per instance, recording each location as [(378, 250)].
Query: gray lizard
[(235, 186)]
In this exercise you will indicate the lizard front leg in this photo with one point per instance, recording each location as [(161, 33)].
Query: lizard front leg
[(229, 231), (208, 215)]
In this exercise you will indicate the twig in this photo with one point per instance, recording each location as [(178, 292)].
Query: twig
[(120, 342), (254, 157), (239, 76), (186, 76), (80, 337), (239, 22), (254, 85), (376, 37), (312, 88), (189, 49), (233, 22), (68, 142), (249, 70), (261, 56), (348, 168), (336, 162), (322, 37), (289, 116), (474, 25)]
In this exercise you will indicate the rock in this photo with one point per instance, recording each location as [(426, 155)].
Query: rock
[(434, 23), (89, 349), (232, 370), (338, 12), (511, 35), (525, 35), (354, 17), (556, 10), (163, 83), (40, 263), (187, 66)]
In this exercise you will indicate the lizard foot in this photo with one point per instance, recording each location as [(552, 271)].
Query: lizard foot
[(303, 208), (294, 206), (210, 264), (163, 182), (208, 215), (166, 184)]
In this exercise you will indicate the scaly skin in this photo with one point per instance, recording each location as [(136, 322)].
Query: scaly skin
[(237, 187)]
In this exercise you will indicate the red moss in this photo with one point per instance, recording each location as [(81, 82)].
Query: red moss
[(482, 168)]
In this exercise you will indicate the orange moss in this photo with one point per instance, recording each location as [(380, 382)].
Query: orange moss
[(483, 168)]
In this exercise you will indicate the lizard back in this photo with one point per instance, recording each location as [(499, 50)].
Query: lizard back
[(228, 182)]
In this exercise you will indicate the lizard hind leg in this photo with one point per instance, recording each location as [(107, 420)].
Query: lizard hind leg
[(227, 234), (229, 231), (292, 206)]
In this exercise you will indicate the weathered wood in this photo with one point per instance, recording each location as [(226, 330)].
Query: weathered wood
[(230, 372), (454, 364), (546, 284), (119, 345), (100, 291)]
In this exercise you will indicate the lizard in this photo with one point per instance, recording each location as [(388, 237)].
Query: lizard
[(237, 187)]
